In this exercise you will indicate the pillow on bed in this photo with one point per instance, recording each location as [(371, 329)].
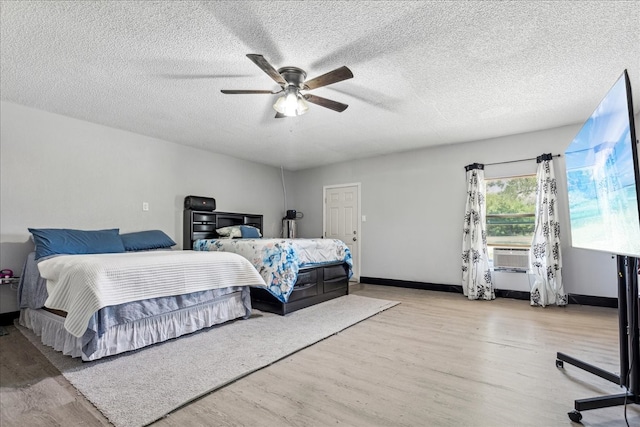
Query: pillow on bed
[(249, 232), (231, 231), (239, 231), (146, 240), (57, 241)]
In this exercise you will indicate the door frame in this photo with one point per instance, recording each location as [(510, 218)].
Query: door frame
[(358, 262)]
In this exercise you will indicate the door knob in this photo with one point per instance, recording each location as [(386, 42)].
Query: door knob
[(354, 239)]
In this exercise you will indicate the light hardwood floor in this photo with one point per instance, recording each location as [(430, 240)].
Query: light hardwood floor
[(436, 359)]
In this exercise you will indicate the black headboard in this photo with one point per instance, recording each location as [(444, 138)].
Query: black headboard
[(203, 224)]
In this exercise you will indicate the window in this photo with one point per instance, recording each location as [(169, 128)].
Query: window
[(511, 204)]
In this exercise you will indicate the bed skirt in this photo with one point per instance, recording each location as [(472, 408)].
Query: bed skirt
[(140, 333)]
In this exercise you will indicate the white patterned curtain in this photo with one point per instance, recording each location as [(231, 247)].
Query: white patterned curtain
[(476, 275), (545, 259)]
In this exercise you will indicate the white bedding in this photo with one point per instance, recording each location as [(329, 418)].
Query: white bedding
[(82, 284)]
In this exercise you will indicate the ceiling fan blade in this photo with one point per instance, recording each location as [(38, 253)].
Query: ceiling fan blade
[(335, 76), (267, 68), (241, 92), (327, 103)]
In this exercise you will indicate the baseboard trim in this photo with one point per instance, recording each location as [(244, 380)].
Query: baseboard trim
[(591, 300), (414, 285), (500, 293), (507, 293)]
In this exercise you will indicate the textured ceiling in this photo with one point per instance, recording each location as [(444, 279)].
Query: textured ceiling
[(426, 72)]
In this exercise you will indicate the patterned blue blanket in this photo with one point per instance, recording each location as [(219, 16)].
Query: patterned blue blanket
[(279, 260)]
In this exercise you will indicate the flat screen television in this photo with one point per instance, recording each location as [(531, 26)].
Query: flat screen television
[(603, 177)]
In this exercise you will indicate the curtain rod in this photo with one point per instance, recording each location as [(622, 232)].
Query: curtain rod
[(521, 160)]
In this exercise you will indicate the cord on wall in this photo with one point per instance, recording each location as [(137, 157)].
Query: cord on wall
[(284, 189)]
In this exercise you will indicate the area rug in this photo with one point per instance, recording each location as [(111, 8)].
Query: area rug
[(137, 388)]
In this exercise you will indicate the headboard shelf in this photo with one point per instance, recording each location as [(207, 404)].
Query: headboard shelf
[(203, 224)]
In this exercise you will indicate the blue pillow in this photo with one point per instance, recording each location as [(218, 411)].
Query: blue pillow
[(146, 240), (56, 241), (249, 232)]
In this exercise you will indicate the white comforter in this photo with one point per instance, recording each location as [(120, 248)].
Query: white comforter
[(82, 284)]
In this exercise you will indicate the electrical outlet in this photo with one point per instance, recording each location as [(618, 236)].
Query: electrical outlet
[(145, 206)]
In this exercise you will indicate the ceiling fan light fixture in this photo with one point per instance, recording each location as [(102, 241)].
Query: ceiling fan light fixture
[(292, 80), (292, 103)]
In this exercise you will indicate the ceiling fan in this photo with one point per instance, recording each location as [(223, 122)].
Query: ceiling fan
[(293, 83)]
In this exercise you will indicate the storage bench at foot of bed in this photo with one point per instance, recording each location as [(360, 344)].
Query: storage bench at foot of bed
[(314, 285)]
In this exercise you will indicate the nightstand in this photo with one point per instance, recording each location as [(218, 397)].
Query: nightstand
[(9, 308), (10, 281)]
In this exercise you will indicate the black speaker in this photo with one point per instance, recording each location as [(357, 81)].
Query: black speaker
[(200, 203), (291, 214)]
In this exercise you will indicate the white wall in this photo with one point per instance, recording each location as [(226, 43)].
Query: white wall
[(414, 205), (61, 172)]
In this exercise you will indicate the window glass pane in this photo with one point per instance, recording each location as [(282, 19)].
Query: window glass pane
[(511, 204)]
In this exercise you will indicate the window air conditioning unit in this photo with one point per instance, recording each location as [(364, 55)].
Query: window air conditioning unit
[(511, 259)]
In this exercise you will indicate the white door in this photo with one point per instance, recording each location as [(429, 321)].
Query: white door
[(342, 219)]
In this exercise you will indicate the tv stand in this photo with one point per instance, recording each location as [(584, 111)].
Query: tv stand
[(629, 378)]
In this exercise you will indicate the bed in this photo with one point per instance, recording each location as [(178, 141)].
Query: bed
[(92, 300), (297, 272), (301, 272)]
